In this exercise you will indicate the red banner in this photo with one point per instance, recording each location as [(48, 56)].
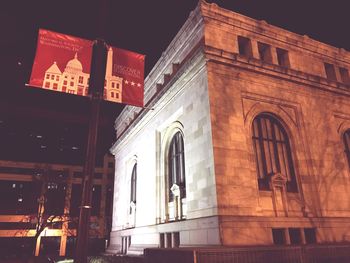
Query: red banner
[(62, 63), (124, 77)]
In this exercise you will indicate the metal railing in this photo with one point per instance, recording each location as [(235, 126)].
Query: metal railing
[(281, 254), (250, 255), (318, 253)]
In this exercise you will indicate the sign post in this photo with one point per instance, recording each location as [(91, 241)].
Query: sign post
[(98, 69), (117, 75)]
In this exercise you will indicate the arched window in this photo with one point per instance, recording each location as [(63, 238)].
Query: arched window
[(133, 184), (272, 152), (132, 203), (347, 145), (176, 161)]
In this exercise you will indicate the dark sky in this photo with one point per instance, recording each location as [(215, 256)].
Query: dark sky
[(148, 26), (143, 26)]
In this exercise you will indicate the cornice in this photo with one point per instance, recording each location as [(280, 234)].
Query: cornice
[(258, 66), (227, 18)]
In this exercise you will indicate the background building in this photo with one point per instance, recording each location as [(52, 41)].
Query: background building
[(41, 167), (247, 142), (31, 191)]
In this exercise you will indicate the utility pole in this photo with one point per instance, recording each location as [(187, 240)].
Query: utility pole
[(96, 86)]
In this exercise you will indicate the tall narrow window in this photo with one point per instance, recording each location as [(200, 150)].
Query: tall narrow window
[(245, 47), (132, 203), (177, 166), (264, 52), (330, 71), (347, 145), (272, 152), (282, 57), (344, 74), (133, 184)]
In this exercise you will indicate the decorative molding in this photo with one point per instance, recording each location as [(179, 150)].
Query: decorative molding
[(254, 104)]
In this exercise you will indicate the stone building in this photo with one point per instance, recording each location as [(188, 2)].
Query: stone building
[(245, 141)]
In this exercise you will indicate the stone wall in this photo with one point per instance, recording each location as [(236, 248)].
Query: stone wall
[(184, 105), (312, 109), (205, 87)]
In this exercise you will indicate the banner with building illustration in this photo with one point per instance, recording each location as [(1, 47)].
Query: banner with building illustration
[(124, 77), (62, 63)]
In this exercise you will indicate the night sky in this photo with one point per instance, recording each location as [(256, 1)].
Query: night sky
[(143, 26)]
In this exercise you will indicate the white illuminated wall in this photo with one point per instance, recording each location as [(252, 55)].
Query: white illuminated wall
[(185, 105), (181, 104)]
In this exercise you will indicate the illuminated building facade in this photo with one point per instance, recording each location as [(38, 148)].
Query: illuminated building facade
[(247, 142)]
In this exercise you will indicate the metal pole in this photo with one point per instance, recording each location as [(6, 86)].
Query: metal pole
[(96, 85)]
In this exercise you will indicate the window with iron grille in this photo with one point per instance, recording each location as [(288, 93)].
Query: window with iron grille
[(176, 161), (272, 152)]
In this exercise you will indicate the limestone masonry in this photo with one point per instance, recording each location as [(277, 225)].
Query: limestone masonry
[(248, 142)]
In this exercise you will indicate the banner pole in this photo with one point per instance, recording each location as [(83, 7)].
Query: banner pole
[(96, 86)]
